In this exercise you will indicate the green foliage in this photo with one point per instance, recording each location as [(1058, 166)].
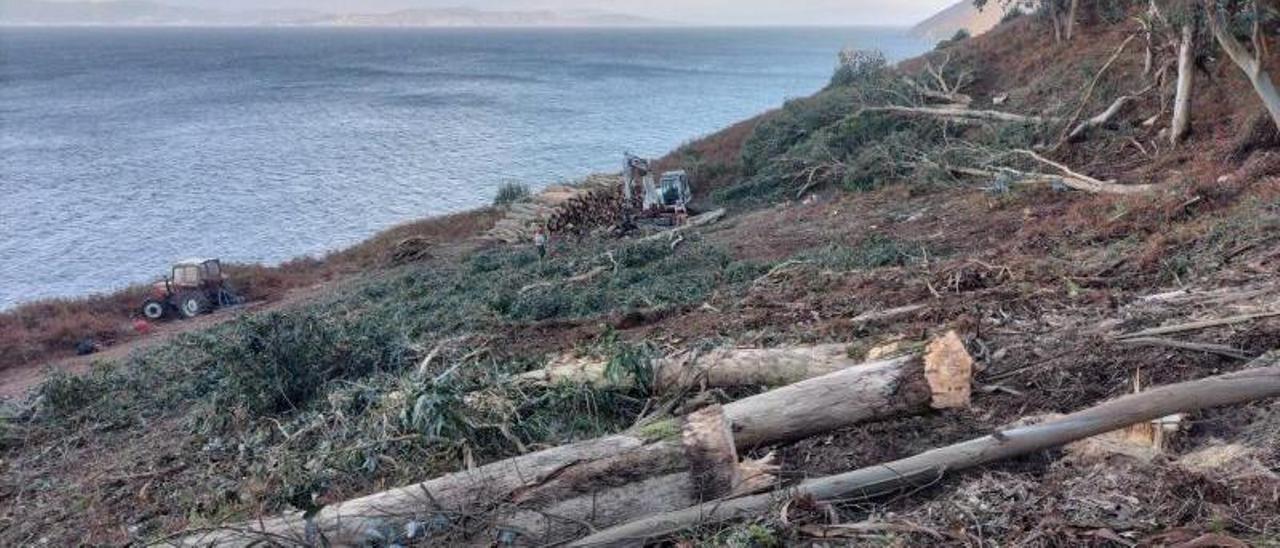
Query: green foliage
[(875, 251), (510, 193), (437, 411), (629, 362), (798, 119), (649, 275), (752, 535), (273, 363), (960, 36), (858, 67), (1011, 15), (63, 393), (829, 139)]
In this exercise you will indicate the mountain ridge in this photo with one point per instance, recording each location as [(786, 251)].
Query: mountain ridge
[(146, 12), (961, 15)]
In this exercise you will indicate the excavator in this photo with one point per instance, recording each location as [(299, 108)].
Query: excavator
[(661, 203)]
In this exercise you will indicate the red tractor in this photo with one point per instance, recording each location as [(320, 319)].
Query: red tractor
[(197, 286)]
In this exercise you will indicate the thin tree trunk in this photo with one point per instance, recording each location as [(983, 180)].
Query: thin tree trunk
[(1230, 389), (1071, 19), (1056, 16), (1182, 100)]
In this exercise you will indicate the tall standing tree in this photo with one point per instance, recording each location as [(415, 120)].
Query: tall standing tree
[(1181, 123), (1253, 63)]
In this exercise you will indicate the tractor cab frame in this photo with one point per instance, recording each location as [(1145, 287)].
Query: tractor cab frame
[(194, 287)]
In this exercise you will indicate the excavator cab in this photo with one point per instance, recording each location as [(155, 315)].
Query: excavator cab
[(674, 188)]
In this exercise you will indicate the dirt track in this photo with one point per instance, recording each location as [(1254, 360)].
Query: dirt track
[(15, 382)]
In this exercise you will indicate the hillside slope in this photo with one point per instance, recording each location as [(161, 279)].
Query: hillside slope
[(843, 206), (959, 16)]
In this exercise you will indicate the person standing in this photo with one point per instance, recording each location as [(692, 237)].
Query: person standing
[(540, 241)]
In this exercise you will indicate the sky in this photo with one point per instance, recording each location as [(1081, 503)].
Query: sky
[(709, 12)]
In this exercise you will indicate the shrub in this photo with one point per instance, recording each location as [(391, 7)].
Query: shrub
[(510, 193), (276, 362), (858, 66), (798, 119), (875, 251), (960, 36)]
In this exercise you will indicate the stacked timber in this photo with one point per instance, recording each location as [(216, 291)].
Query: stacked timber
[(591, 203)]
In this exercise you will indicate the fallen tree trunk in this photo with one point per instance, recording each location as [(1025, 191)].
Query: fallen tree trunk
[(1101, 119), (693, 222), (1229, 389), (558, 494), (1080, 181), (962, 114), (720, 368)]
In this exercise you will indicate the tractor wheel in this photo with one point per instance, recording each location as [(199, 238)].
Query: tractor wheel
[(153, 310), (192, 305)]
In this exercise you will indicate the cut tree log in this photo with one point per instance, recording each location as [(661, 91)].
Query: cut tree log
[(693, 222), (720, 368), (1259, 382), (733, 367), (559, 494)]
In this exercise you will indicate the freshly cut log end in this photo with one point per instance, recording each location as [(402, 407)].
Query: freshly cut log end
[(949, 371), (709, 448)]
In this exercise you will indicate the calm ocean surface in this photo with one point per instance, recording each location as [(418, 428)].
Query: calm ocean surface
[(122, 150)]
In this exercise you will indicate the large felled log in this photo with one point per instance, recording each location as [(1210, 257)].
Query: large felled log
[(821, 404), (720, 368), (550, 494), (657, 477), (1229, 389)]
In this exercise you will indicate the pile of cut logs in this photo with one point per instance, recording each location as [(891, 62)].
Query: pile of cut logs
[(560, 494), (593, 202)]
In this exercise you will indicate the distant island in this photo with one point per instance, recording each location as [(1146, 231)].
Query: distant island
[(147, 13)]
